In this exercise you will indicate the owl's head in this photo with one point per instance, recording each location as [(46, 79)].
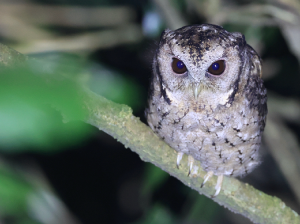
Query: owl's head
[(204, 63)]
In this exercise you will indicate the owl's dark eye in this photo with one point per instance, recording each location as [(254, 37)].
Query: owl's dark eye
[(217, 68), (178, 66)]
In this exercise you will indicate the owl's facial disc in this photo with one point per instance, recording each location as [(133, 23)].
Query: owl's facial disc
[(202, 63)]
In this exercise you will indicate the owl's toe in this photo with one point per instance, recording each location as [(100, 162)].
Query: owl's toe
[(219, 185), (179, 158), (208, 175), (190, 163)]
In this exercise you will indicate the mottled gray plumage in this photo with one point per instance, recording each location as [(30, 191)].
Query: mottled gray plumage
[(216, 119)]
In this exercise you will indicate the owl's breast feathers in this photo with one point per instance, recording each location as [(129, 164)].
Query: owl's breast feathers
[(225, 140)]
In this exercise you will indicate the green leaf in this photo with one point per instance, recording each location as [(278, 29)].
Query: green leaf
[(116, 87), (29, 95), (13, 194)]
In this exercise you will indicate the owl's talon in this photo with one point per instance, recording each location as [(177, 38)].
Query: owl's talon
[(208, 175), (190, 164), (219, 185), (179, 158)]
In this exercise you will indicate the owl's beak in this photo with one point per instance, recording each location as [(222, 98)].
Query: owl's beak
[(197, 89)]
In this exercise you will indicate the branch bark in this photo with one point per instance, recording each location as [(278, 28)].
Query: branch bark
[(117, 120)]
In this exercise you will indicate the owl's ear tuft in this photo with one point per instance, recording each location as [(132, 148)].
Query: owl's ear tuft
[(256, 63), (165, 32), (239, 36), (164, 36), (256, 67), (239, 40)]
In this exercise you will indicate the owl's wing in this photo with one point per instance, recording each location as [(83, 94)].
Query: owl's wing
[(255, 91)]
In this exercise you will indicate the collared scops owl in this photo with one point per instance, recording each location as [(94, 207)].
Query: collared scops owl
[(207, 99)]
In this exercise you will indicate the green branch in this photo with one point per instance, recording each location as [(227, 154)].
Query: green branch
[(117, 120)]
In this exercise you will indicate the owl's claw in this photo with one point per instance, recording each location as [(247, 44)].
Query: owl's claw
[(190, 163), (179, 158), (208, 175), (218, 186)]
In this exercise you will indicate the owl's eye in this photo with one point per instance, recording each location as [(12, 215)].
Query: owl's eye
[(217, 68), (178, 66)]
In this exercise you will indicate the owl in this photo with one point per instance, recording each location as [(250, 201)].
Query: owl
[(207, 99)]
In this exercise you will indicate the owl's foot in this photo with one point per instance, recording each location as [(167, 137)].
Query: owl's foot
[(218, 186), (179, 158), (190, 163)]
